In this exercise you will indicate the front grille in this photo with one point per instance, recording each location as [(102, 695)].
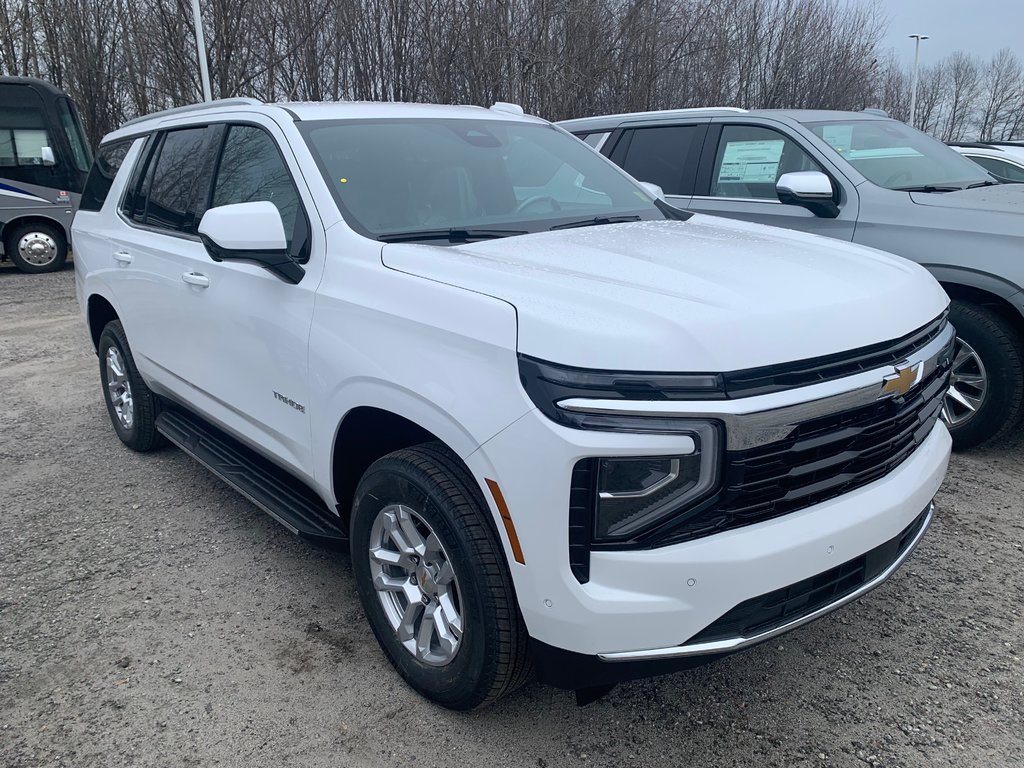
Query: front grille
[(802, 373), (821, 459), (782, 606)]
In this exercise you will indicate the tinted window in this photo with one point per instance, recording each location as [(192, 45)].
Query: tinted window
[(101, 177), (73, 132), (22, 136), (172, 189), (251, 169), (1000, 168), (406, 176), (660, 155)]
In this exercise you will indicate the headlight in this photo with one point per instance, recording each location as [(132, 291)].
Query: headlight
[(548, 383), (637, 493)]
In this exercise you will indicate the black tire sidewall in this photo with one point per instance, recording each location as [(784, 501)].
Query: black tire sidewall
[(462, 683), (53, 231), (999, 348)]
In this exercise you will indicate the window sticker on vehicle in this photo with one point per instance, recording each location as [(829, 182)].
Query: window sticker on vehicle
[(750, 162), (839, 137), (879, 152)]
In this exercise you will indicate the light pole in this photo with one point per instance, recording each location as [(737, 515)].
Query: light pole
[(913, 84), (204, 73)]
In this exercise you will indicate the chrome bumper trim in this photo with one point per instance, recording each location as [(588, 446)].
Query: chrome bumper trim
[(763, 419), (738, 643)]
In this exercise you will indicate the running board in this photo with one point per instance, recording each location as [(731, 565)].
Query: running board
[(274, 490)]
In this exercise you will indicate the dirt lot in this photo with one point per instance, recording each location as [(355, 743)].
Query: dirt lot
[(149, 616)]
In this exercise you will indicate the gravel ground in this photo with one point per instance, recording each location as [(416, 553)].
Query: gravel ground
[(149, 616)]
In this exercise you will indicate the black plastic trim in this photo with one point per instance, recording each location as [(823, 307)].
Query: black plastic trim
[(272, 488)]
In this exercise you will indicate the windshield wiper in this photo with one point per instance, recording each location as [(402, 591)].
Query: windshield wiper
[(596, 221), (928, 188), (452, 235), (982, 184)]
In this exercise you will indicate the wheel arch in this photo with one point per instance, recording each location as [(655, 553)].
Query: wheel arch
[(99, 312), (986, 298), (33, 218), (369, 432)]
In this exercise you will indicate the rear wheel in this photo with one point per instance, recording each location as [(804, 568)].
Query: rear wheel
[(132, 407), (36, 247), (986, 390), (433, 581)]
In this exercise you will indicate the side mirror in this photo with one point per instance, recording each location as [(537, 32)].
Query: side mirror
[(810, 189), (250, 232), (47, 156), (654, 189)]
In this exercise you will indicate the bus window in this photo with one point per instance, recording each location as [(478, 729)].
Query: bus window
[(73, 131), (22, 136)]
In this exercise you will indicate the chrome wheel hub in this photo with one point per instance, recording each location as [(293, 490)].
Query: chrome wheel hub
[(37, 248), (119, 389), (968, 385), (416, 585)]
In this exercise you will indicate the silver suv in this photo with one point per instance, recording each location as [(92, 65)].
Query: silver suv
[(862, 177)]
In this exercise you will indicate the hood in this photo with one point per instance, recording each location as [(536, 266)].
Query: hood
[(1000, 198), (704, 295)]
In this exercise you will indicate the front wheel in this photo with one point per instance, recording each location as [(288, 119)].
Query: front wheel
[(37, 247), (985, 398), (433, 581)]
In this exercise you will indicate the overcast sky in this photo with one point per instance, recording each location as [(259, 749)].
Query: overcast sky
[(980, 27)]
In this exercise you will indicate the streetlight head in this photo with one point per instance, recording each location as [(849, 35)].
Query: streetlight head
[(918, 37)]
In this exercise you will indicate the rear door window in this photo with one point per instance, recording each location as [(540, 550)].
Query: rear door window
[(665, 155), (1000, 168), (101, 177), (170, 195)]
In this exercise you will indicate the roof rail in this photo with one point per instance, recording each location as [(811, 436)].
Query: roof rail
[(237, 102), (974, 144)]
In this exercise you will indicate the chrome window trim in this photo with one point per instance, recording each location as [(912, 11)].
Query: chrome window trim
[(738, 643), (763, 419)]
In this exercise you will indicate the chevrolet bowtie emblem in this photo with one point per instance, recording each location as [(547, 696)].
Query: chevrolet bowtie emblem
[(901, 382)]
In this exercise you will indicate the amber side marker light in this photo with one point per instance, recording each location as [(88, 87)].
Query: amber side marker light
[(506, 518)]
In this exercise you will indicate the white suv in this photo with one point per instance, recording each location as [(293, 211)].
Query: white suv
[(564, 427)]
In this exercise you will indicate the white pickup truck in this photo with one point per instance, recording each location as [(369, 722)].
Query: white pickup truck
[(566, 429)]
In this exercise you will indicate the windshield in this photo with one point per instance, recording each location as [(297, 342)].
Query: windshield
[(399, 179), (895, 156)]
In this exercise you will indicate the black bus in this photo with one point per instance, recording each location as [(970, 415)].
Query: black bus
[(44, 159)]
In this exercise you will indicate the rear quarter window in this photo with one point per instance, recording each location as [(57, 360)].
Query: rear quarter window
[(104, 169)]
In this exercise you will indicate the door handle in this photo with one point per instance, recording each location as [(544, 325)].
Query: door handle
[(123, 257), (195, 278)]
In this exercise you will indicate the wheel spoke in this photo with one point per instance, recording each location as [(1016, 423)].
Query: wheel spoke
[(446, 575), (970, 403), (969, 379), (411, 533), (393, 558), (407, 626), (384, 583), (449, 617), (426, 632)]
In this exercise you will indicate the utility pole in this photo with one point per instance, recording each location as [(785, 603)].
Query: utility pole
[(913, 86), (204, 72)]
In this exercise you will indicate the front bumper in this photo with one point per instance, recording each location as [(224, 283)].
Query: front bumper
[(644, 605)]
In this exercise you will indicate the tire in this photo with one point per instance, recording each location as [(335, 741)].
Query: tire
[(429, 489), (986, 395), (133, 416), (36, 247)]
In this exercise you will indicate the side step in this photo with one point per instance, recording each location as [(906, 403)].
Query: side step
[(274, 490)]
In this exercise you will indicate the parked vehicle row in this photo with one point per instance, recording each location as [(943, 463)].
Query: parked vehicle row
[(863, 178), (562, 425), (1003, 159), (44, 159)]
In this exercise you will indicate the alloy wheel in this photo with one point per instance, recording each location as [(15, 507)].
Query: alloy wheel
[(968, 385), (119, 389), (416, 585)]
